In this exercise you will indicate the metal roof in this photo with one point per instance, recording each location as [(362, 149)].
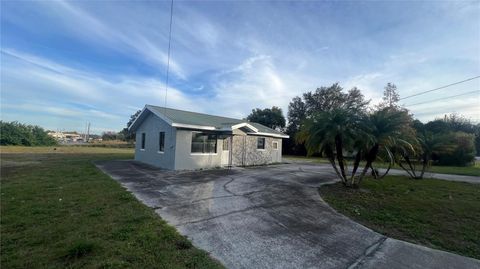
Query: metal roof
[(193, 120)]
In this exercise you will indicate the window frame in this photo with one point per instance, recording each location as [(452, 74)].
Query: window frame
[(226, 142), (275, 145), (264, 143), (161, 142), (143, 141), (204, 152)]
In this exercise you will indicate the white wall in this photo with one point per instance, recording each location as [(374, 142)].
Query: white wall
[(185, 160), (152, 126)]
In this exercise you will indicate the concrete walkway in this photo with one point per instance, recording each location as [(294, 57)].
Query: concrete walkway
[(450, 177), (270, 217)]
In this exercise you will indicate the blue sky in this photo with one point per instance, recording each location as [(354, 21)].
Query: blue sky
[(63, 63)]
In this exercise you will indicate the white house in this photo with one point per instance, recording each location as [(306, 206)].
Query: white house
[(182, 140)]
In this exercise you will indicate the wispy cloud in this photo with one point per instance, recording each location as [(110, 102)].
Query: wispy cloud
[(104, 61), (95, 30)]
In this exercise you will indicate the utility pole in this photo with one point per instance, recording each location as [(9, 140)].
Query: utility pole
[(85, 132), (88, 132)]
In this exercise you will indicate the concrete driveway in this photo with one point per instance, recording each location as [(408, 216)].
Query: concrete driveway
[(270, 217)]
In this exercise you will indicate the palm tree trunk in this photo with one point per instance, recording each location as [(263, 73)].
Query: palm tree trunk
[(339, 150), (356, 164), (412, 168), (424, 164), (331, 158), (406, 170), (371, 156), (374, 172), (390, 164)]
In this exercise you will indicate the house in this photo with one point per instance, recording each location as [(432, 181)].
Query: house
[(182, 140)]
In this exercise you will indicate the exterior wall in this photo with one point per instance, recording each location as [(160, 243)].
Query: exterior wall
[(185, 160), (152, 126), (245, 151), (177, 154)]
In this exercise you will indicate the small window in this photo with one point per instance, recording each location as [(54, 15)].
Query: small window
[(261, 143), (275, 145), (204, 143), (161, 142), (225, 144), (143, 140)]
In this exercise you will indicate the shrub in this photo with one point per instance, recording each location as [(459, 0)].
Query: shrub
[(461, 149), (18, 134)]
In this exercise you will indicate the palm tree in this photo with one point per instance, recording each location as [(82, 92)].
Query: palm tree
[(332, 133), (388, 126), (427, 144)]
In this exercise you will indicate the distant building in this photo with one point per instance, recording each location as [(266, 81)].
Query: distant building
[(66, 137), (59, 136)]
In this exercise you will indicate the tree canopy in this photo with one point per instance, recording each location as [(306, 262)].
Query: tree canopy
[(124, 134), (321, 100), (270, 117), (390, 96)]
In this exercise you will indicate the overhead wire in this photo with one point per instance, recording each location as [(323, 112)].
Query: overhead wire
[(168, 71), (439, 88), (168, 54), (443, 98)]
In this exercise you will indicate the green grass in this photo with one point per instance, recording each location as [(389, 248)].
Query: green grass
[(435, 213), (458, 170), (59, 211), (473, 170), (303, 158)]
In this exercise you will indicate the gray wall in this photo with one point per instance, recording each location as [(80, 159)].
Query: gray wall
[(185, 160), (152, 126)]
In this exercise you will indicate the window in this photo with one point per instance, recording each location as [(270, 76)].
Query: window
[(261, 143), (225, 144), (143, 140), (161, 142), (275, 145), (204, 143)]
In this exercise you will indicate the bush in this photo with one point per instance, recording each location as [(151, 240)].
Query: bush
[(461, 149), (18, 134)]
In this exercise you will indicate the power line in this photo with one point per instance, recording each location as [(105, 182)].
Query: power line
[(439, 88), (453, 108), (438, 99), (168, 55)]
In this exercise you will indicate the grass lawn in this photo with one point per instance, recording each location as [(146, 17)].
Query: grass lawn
[(59, 211), (435, 213), (473, 170), (303, 158)]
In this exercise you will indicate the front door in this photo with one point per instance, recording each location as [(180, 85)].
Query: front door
[(226, 147)]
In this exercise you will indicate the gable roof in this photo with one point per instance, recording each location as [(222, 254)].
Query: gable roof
[(192, 120)]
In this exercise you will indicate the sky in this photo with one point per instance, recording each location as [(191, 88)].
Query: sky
[(67, 62)]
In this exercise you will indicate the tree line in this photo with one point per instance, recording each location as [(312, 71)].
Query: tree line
[(346, 129), (18, 134)]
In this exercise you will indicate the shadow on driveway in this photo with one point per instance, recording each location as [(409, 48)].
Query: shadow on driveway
[(269, 217)]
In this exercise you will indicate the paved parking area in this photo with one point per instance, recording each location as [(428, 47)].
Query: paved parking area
[(270, 217)]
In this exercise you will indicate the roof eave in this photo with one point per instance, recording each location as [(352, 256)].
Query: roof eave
[(145, 108), (269, 134), (192, 126)]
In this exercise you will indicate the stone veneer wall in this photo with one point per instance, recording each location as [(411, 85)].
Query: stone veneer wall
[(245, 151)]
